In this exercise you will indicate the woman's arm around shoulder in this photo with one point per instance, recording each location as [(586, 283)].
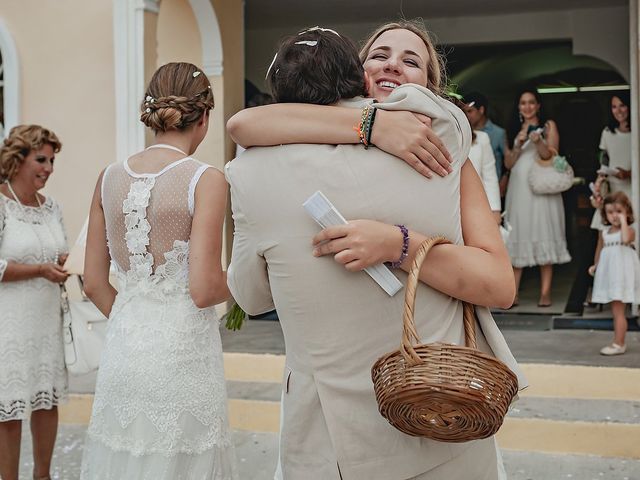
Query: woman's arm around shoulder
[(398, 133), (207, 280), (97, 260)]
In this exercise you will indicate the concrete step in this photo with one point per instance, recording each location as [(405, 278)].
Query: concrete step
[(567, 409), (257, 456)]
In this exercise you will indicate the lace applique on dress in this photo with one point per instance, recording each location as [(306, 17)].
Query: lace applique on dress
[(137, 237)]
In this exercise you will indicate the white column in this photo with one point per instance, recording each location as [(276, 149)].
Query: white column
[(128, 38), (634, 115), (11, 77)]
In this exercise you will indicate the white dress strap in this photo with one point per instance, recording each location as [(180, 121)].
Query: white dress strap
[(192, 186), (104, 175)]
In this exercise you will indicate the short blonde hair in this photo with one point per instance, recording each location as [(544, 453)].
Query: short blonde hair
[(436, 78), (19, 144)]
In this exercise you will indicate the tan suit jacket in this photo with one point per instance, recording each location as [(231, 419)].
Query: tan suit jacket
[(337, 323)]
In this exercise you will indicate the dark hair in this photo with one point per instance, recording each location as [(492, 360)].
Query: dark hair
[(316, 66), (461, 104), (622, 199), (478, 100), (177, 96), (624, 97), (515, 122), (259, 99), (22, 140)]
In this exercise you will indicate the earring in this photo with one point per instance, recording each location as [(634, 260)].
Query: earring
[(521, 118)]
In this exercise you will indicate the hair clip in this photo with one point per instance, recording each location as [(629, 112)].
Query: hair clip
[(148, 110), (318, 28), (196, 73), (311, 43), (271, 65)]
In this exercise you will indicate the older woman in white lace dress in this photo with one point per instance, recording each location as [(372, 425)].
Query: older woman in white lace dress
[(33, 377)]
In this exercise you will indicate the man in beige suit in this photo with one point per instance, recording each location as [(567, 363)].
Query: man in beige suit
[(337, 323)]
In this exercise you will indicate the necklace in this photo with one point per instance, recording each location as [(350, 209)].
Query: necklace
[(167, 146), (45, 257), (17, 199)]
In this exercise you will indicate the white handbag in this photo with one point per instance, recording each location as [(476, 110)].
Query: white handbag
[(548, 179), (84, 329)]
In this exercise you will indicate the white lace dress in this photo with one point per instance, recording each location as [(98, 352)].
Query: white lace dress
[(33, 375), (538, 232), (160, 403)]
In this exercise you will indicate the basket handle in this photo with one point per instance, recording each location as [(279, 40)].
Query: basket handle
[(410, 334)]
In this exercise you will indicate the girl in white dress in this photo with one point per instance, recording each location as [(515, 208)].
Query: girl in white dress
[(160, 403), (33, 246), (538, 235), (616, 266)]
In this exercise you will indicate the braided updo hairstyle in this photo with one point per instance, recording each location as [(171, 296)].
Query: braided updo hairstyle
[(19, 144), (177, 96)]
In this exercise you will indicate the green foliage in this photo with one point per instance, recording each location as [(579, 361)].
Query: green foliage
[(235, 317)]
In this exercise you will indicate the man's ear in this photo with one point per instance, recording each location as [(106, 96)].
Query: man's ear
[(482, 110)]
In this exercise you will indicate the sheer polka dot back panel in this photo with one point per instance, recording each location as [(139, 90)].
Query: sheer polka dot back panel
[(169, 211)]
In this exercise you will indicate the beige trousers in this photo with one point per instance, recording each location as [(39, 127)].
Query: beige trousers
[(481, 461)]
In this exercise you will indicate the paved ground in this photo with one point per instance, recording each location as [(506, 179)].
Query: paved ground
[(257, 454), (575, 347)]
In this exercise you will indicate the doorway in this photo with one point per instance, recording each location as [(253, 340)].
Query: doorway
[(499, 71)]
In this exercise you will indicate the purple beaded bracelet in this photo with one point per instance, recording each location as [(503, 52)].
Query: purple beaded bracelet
[(405, 247)]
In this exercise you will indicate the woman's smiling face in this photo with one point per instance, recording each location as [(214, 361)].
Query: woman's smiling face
[(619, 110), (396, 57)]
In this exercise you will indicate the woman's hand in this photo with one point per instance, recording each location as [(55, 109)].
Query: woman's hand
[(53, 272), (62, 259), (623, 174), (535, 137), (521, 138), (592, 270), (360, 244), (596, 200), (409, 136)]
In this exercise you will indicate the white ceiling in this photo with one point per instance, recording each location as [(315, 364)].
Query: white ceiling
[(282, 13)]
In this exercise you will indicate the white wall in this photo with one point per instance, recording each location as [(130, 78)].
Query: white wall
[(600, 32)]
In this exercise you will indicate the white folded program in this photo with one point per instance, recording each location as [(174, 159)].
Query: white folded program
[(323, 212)]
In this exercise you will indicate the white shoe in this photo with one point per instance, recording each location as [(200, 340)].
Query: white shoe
[(613, 349)]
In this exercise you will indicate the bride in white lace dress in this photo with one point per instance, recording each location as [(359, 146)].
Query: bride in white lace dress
[(160, 403)]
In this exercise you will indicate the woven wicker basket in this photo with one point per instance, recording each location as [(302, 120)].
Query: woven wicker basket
[(441, 391)]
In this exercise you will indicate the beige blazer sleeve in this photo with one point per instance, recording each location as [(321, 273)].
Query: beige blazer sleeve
[(247, 275), (448, 121)]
